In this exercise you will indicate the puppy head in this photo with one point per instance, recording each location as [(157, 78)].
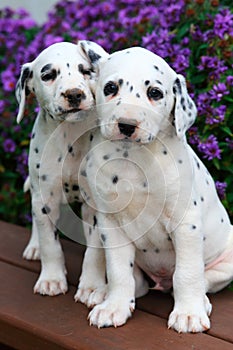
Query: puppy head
[(59, 78), (138, 95)]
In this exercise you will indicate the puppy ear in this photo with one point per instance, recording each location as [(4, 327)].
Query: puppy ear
[(92, 52), (185, 111), (22, 89)]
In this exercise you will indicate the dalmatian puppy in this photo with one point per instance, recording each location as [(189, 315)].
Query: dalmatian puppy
[(157, 204), (60, 80)]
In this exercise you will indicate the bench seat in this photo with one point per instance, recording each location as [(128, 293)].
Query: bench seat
[(35, 322)]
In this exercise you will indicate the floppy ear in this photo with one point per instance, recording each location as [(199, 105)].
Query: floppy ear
[(92, 52), (185, 111), (22, 89)]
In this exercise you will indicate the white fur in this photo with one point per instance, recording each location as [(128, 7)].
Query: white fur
[(157, 204), (60, 139)]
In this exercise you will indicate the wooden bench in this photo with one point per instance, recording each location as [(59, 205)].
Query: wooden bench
[(34, 322)]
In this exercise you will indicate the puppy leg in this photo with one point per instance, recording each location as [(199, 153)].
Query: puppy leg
[(92, 286), (220, 273), (52, 279), (120, 300), (192, 307), (141, 284), (32, 250)]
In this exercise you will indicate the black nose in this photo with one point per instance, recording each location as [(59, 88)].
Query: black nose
[(74, 96), (126, 129)]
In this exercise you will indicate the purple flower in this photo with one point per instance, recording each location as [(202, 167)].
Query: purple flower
[(9, 146), (218, 92), (8, 80), (210, 148), (213, 65), (22, 164), (229, 80), (223, 24), (221, 188)]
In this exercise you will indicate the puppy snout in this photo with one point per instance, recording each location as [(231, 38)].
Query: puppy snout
[(127, 127), (74, 96)]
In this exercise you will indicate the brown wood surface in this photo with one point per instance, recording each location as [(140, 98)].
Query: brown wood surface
[(32, 322)]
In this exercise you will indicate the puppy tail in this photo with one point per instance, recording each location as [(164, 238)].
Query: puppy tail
[(26, 185)]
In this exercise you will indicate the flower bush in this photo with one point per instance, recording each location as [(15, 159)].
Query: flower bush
[(194, 37)]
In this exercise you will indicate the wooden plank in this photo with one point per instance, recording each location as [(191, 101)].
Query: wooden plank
[(35, 322), (13, 241)]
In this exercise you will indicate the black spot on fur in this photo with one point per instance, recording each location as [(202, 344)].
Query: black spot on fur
[(75, 187), (25, 75), (36, 150), (120, 82), (56, 233), (178, 85), (106, 157), (93, 56), (103, 237), (94, 221), (147, 82), (44, 177), (46, 210), (115, 179), (70, 149)]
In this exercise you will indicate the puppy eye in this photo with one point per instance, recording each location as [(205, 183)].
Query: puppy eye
[(154, 93), (111, 88), (84, 71), (49, 76)]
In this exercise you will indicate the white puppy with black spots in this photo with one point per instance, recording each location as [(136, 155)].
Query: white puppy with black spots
[(60, 80), (157, 204)]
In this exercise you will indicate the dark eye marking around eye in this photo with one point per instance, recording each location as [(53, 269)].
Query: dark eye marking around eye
[(49, 75), (154, 93), (46, 67), (111, 88), (84, 71)]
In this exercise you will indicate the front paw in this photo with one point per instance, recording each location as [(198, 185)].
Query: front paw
[(91, 296), (47, 285), (193, 320), (112, 312)]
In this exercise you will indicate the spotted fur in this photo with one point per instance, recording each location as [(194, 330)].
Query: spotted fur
[(157, 205), (60, 79)]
